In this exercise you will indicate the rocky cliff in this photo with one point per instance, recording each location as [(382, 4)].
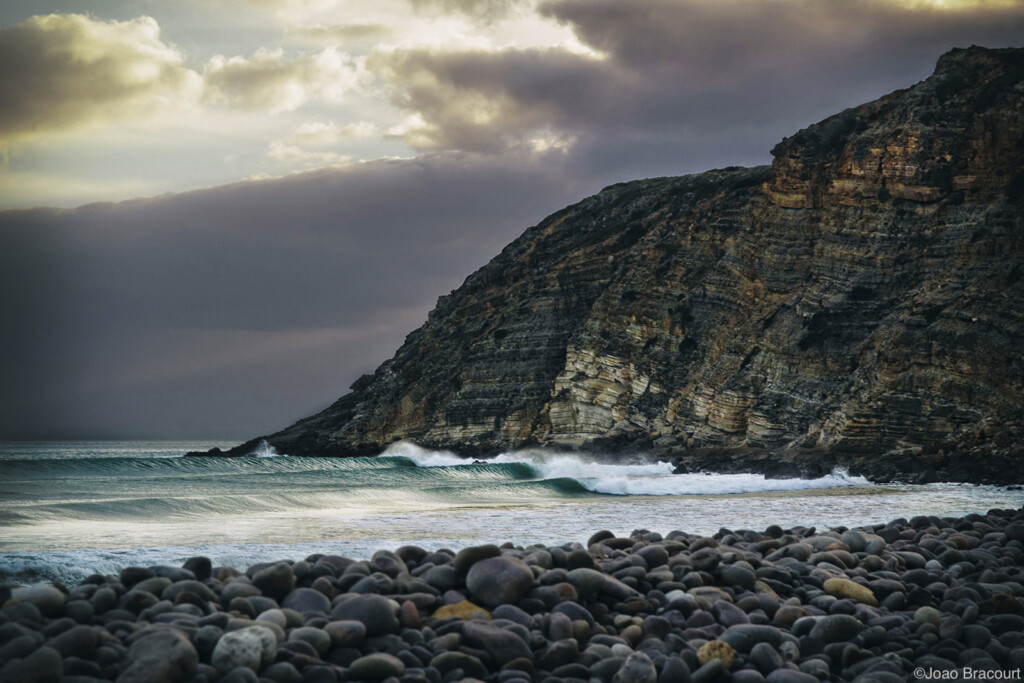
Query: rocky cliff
[(857, 302)]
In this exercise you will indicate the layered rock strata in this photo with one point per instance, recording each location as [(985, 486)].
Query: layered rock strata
[(857, 302)]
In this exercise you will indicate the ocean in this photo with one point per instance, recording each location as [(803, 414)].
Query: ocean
[(68, 510)]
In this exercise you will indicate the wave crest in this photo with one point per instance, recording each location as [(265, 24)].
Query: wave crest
[(618, 479)]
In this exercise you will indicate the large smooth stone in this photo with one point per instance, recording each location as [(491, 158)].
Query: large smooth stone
[(377, 613), (499, 580), (161, 657)]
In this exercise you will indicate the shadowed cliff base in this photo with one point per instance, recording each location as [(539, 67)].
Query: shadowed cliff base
[(858, 303)]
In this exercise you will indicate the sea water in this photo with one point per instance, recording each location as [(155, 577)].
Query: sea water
[(68, 510)]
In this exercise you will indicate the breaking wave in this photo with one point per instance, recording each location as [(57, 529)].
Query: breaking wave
[(621, 479)]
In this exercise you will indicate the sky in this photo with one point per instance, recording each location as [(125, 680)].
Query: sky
[(216, 214)]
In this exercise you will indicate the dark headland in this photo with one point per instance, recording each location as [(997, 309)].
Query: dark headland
[(856, 303)]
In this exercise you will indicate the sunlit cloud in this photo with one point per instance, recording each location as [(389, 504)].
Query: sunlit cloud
[(63, 72), (269, 81)]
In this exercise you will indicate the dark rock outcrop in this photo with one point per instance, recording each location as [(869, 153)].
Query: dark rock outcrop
[(857, 302)]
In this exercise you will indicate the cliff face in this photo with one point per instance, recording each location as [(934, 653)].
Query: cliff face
[(858, 301)]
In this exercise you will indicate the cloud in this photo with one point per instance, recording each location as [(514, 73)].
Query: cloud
[(343, 33), (66, 71), (665, 74), (481, 99), (482, 9), (269, 81), (319, 133)]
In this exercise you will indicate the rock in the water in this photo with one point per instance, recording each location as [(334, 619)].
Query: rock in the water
[(161, 657), (499, 580)]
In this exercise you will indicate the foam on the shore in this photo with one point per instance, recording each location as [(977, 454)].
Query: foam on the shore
[(630, 479)]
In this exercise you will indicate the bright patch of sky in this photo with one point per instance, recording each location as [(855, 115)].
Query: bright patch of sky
[(193, 94)]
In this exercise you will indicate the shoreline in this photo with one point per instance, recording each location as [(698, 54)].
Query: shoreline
[(990, 467), (782, 605)]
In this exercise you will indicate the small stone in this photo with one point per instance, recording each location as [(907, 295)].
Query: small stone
[(557, 654), (282, 672), (449, 661), (729, 614), (442, 578), (376, 612), (275, 581), (156, 585), (587, 582), (736, 575), (638, 668), (716, 649), (928, 615), (45, 665), (137, 600), (835, 628), (188, 586), (78, 641), (499, 580), (20, 647), (249, 647), (744, 637), (467, 557), (133, 575), (205, 640), (675, 670), (790, 676), (503, 646), (240, 675), (161, 657), (319, 639), (46, 598), (463, 609), (713, 671), (844, 588), (273, 616), (304, 600), (200, 566), (346, 633), (238, 589), (766, 658)]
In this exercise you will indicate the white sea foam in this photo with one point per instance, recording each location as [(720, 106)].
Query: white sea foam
[(630, 479), (265, 450), (713, 484)]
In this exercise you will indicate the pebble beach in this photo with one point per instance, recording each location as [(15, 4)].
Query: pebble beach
[(929, 598)]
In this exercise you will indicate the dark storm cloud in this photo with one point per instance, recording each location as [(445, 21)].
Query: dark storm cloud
[(235, 310)]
